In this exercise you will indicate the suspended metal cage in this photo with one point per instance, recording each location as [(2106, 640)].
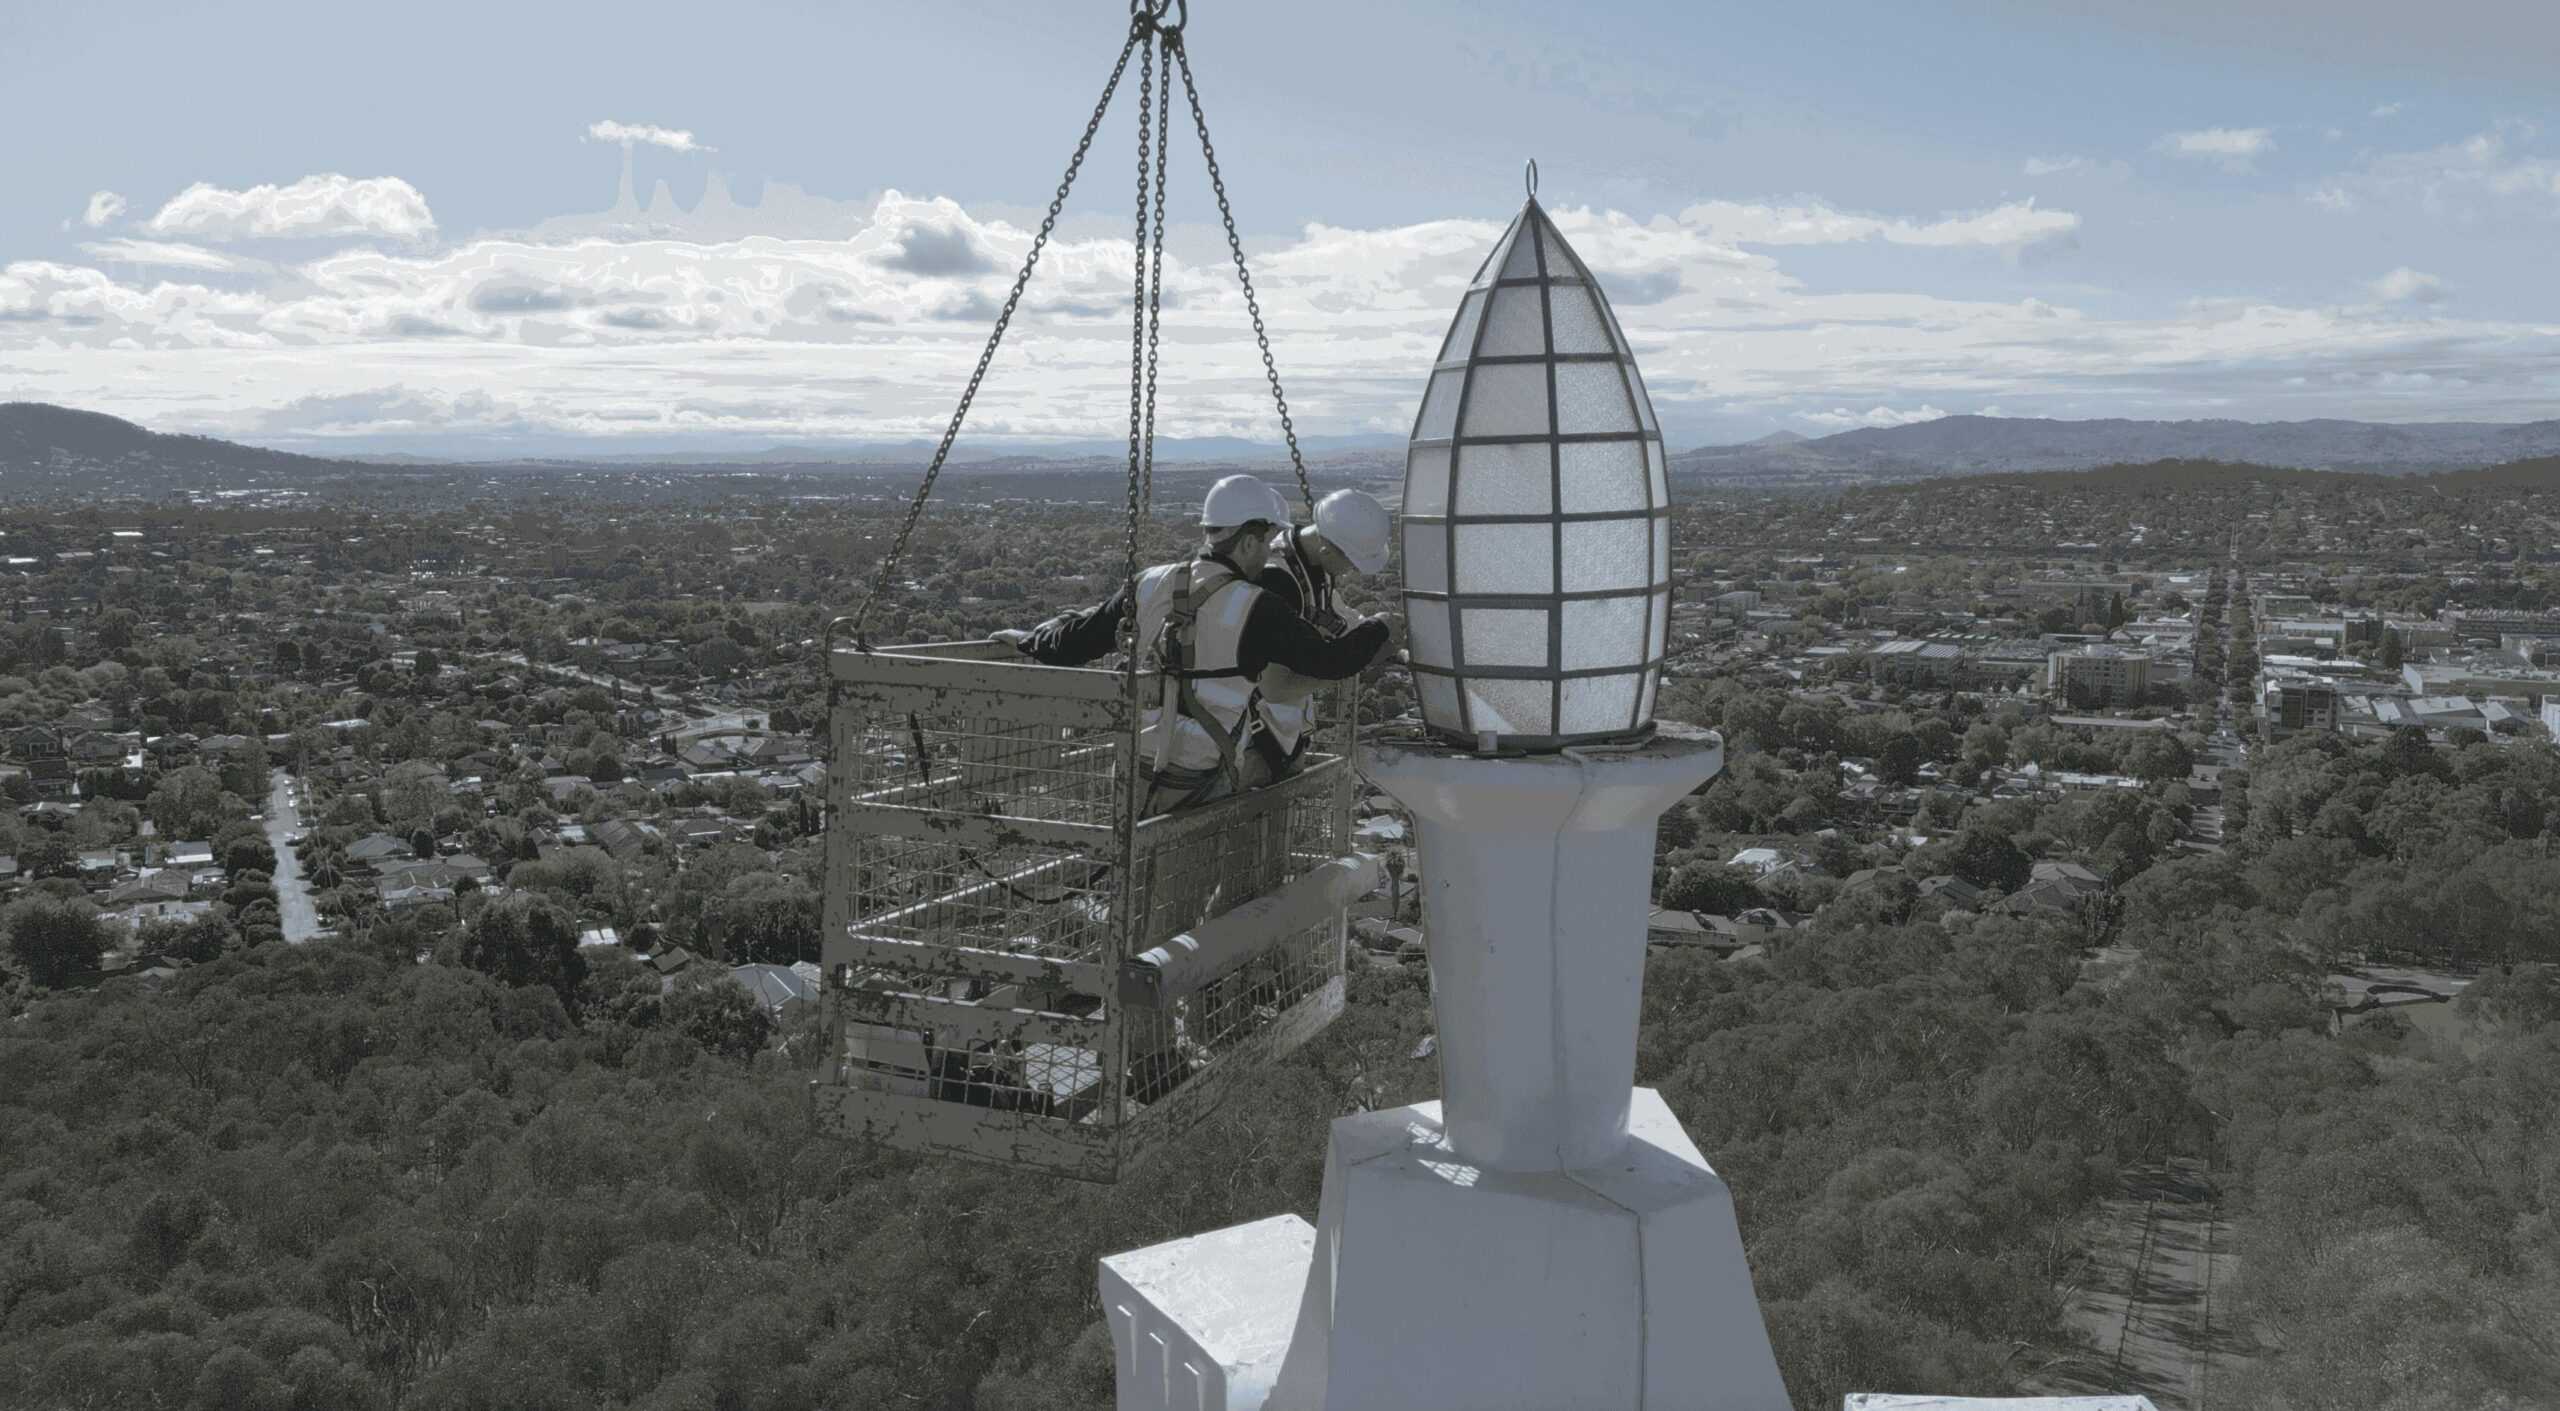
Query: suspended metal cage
[(1016, 972), (1019, 968)]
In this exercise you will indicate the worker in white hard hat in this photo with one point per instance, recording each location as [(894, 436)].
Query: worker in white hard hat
[(1209, 631), (1349, 536)]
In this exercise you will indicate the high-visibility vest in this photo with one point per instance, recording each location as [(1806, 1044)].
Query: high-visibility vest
[(1191, 619)]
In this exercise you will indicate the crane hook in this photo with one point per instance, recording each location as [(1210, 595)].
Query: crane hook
[(1150, 14)]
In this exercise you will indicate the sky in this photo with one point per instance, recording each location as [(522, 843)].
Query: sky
[(652, 226)]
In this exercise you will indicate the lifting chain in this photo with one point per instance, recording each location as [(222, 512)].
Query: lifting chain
[(1155, 280), (1141, 28), (1235, 247), (1141, 386)]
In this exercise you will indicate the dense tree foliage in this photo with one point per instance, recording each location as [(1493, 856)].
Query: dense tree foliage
[(333, 1176)]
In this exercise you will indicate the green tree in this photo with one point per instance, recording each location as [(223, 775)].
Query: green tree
[(720, 1015), (1898, 763), (190, 803), (763, 916), (1989, 859), (526, 939), (1712, 888), (54, 939)]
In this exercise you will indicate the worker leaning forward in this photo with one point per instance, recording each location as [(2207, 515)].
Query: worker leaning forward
[(1213, 629), (1306, 562)]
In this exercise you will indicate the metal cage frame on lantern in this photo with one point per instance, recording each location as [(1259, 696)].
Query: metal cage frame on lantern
[(1567, 443)]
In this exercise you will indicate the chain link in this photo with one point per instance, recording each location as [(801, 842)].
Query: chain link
[(1235, 246), (1141, 400), (1139, 29), (1155, 280)]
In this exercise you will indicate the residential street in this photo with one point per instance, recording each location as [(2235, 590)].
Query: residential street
[(2153, 1307), (293, 895)]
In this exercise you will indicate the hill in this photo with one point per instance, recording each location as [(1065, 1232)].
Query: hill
[(47, 448), (1976, 445)]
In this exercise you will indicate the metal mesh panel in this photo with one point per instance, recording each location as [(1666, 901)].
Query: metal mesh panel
[(979, 911)]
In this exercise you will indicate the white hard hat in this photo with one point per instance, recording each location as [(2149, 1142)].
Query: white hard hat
[(1354, 522), (1240, 500)]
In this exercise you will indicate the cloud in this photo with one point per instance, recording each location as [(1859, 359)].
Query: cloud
[(2408, 286), (104, 206), (381, 410), (520, 299), (2052, 166), (315, 207), (161, 253), (627, 133), (2235, 147), (927, 247), (1843, 419), (854, 337), (2386, 110), (2011, 226), (2491, 171)]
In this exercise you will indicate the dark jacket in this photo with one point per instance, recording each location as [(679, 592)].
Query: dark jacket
[(1296, 577), (1274, 635)]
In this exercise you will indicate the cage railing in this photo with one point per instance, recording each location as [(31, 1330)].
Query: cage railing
[(1015, 972)]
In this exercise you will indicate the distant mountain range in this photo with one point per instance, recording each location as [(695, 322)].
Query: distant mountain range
[(1974, 445), (47, 447)]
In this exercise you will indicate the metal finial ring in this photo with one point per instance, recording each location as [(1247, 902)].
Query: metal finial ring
[(1529, 178)]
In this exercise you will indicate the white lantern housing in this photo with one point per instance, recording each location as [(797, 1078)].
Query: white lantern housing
[(1537, 529)]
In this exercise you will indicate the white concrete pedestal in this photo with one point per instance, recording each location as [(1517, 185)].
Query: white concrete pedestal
[(1438, 1282), (1200, 1324), (1537, 882)]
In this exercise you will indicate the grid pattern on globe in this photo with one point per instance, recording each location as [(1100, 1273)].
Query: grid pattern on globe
[(1537, 535)]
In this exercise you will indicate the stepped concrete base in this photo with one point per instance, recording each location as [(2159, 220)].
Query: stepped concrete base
[(1886, 1401), (1433, 1283), (1200, 1324), (1439, 1283)]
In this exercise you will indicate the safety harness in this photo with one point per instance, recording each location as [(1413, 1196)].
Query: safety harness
[(1172, 658)]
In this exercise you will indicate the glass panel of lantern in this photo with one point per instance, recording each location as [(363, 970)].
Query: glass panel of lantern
[(1537, 515)]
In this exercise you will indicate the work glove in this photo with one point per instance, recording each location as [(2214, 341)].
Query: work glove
[(1013, 637), (1386, 645)]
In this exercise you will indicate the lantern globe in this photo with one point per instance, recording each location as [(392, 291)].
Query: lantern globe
[(1537, 524)]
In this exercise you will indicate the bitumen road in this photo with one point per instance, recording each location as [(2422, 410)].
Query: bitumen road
[(2156, 1308), (301, 917)]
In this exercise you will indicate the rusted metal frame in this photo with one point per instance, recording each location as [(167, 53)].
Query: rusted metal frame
[(836, 906), (978, 649), (1168, 829), (888, 922), (1228, 942), (1018, 680), (1349, 737), (1084, 1151), (981, 830), (1178, 1110), (950, 1019), (1021, 704), (907, 957), (1128, 920), (912, 792)]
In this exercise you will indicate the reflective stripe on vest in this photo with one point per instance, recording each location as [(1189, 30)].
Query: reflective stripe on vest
[(1225, 602)]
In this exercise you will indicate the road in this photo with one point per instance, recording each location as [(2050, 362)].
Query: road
[(300, 916), (658, 695), (2156, 1307)]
